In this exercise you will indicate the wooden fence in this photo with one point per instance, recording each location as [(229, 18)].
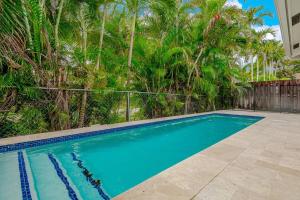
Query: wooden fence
[(277, 96)]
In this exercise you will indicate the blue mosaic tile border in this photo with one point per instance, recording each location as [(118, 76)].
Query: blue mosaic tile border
[(63, 178), (25, 145), (100, 190), (26, 195)]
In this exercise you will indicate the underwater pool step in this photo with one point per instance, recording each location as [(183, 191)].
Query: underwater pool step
[(90, 179), (27, 183), (29, 177), (47, 184), (64, 179), (74, 173), (10, 184)]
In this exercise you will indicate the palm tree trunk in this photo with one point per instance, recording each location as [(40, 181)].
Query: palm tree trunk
[(257, 69), (60, 74), (186, 105), (114, 9), (101, 36), (272, 68), (43, 2), (62, 99), (132, 34), (84, 48), (195, 64), (178, 3), (57, 24), (82, 109), (275, 70), (268, 69), (265, 66), (252, 68)]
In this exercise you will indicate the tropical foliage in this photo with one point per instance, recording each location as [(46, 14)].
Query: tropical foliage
[(194, 48)]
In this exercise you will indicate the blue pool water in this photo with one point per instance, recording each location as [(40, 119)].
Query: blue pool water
[(120, 160)]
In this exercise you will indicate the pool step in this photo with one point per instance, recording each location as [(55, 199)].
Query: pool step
[(47, 183), (75, 174), (29, 176), (10, 184), (99, 188), (28, 179), (44, 177), (64, 179)]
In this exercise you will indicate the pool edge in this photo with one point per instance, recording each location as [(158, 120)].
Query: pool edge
[(73, 134)]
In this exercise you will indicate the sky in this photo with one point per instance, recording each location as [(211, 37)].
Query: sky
[(269, 6)]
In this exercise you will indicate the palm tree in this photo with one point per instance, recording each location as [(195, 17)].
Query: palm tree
[(171, 46), (60, 8), (211, 13), (134, 7), (255, 17), (84, 22), (29, 39), (258, 45), (105, 4)]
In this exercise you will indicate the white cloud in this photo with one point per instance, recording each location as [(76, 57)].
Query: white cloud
[(269, 36), (276, 28), (233, 3)]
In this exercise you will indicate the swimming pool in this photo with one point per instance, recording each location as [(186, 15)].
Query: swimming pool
[(69, 167)]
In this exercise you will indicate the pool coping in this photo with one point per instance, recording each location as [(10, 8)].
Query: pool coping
[(29, 141)]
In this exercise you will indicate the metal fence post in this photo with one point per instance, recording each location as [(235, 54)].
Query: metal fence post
[(128, 107)]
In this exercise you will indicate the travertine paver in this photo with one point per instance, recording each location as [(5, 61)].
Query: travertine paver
[(260, 162)]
